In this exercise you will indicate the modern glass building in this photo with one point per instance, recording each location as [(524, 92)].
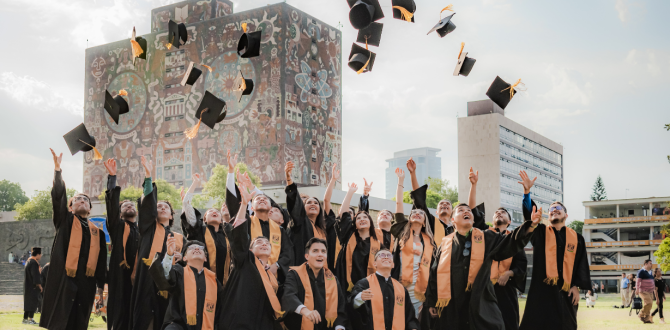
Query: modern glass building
[(427, 165)]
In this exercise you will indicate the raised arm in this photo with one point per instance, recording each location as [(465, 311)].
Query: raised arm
[(509, 245), (527, 203), (147, 212), (472, 198), (347, 199), (363, 202), (239, 235), (294, 203), (112, 196), (187, 208), (334, 176), (58, 192), (399, 208), (411, 167)]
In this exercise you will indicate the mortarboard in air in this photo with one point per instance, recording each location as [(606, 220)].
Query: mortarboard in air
[(404, 10), (501, 92), (36, 250), (371, 35), (465, 63), (117, 105), (79, 139), (209, 112), (361, 59), (250, 43), (193, 73), (242, 86), (364, 12), (177, 34), (138, 45), (445, 25)]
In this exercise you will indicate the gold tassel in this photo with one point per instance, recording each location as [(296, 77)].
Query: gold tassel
[(124, 264), (351, 286), (330, 322), (511, 88), (404, 13), (136, 48), (123, 92), (168, 45), (283, 326), (449, 8), (163, 294), (193, 131), (420, 296), (551, 281), (461, 51), (566, 286), (191, 320), (469, 287), (147, 261), (96, 153), (71, 272), (244, 27), (90, 272), (494, 281), (208, 67), (441, 304), (364, 67), (279, 314)]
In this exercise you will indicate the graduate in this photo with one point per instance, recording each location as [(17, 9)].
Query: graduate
[(148, 304), (380, 301), (313, 298), (508, 275), (460, 293), (560, 269), (384, 217), (32, 286), (249, 299), (125, 238), (209, 229), (78, 257), (194, 289)]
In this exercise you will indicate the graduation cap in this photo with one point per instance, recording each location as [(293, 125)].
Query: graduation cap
[(36, 250), (210, 111), (242, 86), (465, 63), (361, 59), (404, 10), (501, 93), (193, 73), (175, 33), (138, 45), (371, 35), (117, 105), (445, 25), (79, 139), (250, 43), (364, 12)]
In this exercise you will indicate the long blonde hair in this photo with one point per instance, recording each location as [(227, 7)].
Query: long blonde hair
[(406, 233)]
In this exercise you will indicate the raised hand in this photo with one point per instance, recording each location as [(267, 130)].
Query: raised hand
[(57, 159), (352, 187), (232, 161), (110, 165), (536, 217), (401, 174), (246, 195), (243, 180), (171, 244), (473, 177), (182, 193), (411, 165), (367, 187), (526, 181), (334, 174), (196, 179), (147, 167), (288, 169)]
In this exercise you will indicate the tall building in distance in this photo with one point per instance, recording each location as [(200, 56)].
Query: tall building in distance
[(427, 165), (294, 112), (499, 148)]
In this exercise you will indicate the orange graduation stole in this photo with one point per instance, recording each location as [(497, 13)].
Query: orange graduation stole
[(270, 284), (211, 251), (38, 263), (275, 236), (444, 266), (568, 256), (378, 304), (331, 296), (157, 247), (438, 235), (407, 260), (499, 267), (191, 298), (375, 245), (74, 246), (126, 233)]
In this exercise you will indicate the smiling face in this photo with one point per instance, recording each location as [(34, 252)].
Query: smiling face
[(312, 206), (261, 247), (384, 217), (195, 252), (363, 221), (128, 210), (261, 203), (557, 213), (164, 211), (80, 205), (276, 215), (501, 218), (316, 256), (444, 209), (384, 260), (213, 217), (417, 216), (463, 217)]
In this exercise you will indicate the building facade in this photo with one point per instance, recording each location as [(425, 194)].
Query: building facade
[(294, 112), (620, 235), (499, 148), (427, 165)]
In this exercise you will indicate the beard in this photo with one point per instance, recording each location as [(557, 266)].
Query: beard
[(557, 220), (499, 222), (129, 214)]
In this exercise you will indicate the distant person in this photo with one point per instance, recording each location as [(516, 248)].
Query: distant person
[(660, 294), (602, 287), (631, 277), (625, 290), (32, 286), (657, 210), (10, 258), (590, 299), (646, 290)]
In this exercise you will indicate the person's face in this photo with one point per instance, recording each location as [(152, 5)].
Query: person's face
[(500, 218), (81, 204), (444, 208), (417, 216), (384, 261), (362, 221), (276, 216), (557, 213), (312, 207), (128, 210), (195, 252), (213, 217), (261, 247), (647, 266), (384, 217), (463, 218), (164, 211), (261, 203), (316, 256)]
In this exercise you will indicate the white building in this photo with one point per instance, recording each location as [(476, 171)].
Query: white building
[(427, 165)]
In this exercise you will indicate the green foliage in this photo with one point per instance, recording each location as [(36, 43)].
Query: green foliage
[(439, 190), (577, 225), (39, 206), (10, 195), (215, 187), (200, 201), (405, 198), (663, 254), (490, 224), (167, 192), (599, 193)]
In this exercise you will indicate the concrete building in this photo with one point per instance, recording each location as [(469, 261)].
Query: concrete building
[(499, 148), (427, 165), (621, 234)]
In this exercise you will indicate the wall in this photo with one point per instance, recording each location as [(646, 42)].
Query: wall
[(20, 236)]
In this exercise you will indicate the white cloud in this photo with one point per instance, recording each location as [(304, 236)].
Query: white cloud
[(566, 88), (36, 94), (622, 9)]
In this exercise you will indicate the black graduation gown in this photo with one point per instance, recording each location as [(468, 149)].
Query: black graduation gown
[(68, 301), (220, 236), (120, 286), (543, 297), (362, 319), (245, 304), (31, 293), (145, 303), (294, 296), (174, 284), (44, 274), (478, 308), (364, 204), (508, 301)]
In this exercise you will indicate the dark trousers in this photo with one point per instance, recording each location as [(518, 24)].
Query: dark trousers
[(29, 315), (659, 309)]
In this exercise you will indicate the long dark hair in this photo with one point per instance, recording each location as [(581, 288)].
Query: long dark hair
[(320, 221), (373, 232), (406, 233)]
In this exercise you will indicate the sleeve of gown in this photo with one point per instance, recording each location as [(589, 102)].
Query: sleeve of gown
[(342, 319), (147, 211), (431, 290), (290, 301), (364, 204), (411, 322), (101, 267), (419, 202), (295, 205), (360, 315), (480, 217), (285, 259), (112, 196), (189, 211), (59, 199), (399, 225), (506, 246), (239, 242), (519, 267), (345, 227), (35, 273), (232, 196), (581, 277)]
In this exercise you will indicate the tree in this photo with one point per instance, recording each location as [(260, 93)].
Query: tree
[(10, 195), (39, 206), (599, 193), (215, 187), (663, 255), (577, 226), (438, 190)]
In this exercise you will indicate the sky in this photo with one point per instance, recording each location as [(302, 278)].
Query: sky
[(596, 72)]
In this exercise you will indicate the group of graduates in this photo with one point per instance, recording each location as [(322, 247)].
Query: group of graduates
[(254, 265)]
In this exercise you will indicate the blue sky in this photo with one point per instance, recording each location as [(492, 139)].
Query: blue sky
[(597, 74)]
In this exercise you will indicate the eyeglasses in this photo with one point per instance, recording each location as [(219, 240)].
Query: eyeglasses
[(416, 212), (81, 198), (556, 207), (466, 251), (196, 247), (385, 256)]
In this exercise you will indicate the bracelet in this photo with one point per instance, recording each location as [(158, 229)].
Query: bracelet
[(401, 186)]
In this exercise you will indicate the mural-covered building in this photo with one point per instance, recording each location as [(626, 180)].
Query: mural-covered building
[(294, 112)]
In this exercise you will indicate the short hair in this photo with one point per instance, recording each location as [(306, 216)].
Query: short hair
[(647, 261), (561, 204), (90, 204), (352, 209), (262, 194), (380, 251), (257, 238), (195, 242), (462, 204), (315, 240), (125, 201), (504, 209), (171, 211)]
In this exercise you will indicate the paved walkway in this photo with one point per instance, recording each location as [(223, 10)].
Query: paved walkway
[(11, 303)]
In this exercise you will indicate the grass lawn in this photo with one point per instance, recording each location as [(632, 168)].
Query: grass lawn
[(12, 320), (605, 316)]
